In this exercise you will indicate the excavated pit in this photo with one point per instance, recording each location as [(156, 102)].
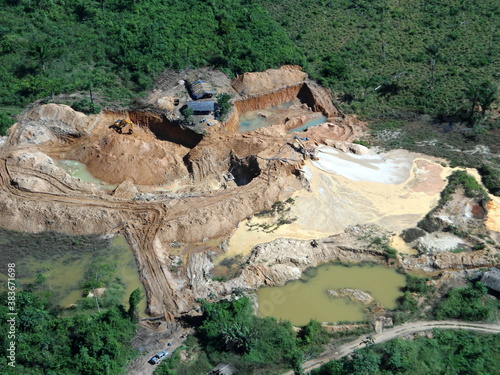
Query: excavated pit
[(244, 170), (165, 130), (153, 155), (294, 106), (36, 195)]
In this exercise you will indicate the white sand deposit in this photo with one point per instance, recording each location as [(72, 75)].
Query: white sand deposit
[(337, 202), (389, 168)]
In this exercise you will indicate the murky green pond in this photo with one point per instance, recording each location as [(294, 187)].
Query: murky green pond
[(76, 169), (63, 260), (303, 300)]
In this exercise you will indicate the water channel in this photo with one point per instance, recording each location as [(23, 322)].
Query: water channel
[(302, 300)]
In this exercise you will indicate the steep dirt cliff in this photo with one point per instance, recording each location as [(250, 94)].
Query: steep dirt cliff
[(258, 83)]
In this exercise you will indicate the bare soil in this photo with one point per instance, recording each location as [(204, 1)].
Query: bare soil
[(173, 179)]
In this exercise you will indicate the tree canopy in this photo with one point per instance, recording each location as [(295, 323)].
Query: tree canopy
[(116, 47)]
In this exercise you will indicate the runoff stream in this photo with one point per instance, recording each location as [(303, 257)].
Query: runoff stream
[(302, 300)]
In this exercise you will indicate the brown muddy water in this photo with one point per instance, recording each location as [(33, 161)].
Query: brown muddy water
[(64, 269), (302, 300)]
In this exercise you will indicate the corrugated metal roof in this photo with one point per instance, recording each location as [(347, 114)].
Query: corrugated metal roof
[(202, 106)]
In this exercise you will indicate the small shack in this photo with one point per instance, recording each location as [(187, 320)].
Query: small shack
[(202, 107), (201, 89), (221, 369)]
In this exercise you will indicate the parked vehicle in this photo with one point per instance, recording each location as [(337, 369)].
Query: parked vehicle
[(158, 357)]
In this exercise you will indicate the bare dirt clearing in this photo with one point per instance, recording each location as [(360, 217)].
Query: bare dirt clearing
[(172, 187)]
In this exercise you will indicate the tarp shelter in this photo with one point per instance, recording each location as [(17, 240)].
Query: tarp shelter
[(201, 89), (202, 107)]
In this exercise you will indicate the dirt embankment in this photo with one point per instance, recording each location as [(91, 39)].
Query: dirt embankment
[(209, 184), (257, 83), (260, 90), (36, 195)]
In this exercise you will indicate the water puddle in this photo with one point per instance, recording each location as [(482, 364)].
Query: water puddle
[(64, 269), (300, 301), (277, 115), (308, 124), (76, 169), (258, 119)]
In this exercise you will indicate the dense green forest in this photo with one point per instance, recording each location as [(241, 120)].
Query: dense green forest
[(117, 47), (48, 343), (383, 57)]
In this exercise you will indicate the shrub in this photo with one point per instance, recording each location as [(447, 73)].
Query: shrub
[(466, 304), (6, 122), (85, 106), (415, 284)]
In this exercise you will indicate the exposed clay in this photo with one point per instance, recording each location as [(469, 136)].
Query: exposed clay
[(172, 189)]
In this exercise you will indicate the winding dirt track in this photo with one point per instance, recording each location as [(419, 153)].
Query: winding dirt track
[(139, 221), (404, 329)]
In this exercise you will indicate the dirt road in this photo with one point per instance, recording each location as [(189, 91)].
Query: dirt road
[(150, 343), (404, 329)]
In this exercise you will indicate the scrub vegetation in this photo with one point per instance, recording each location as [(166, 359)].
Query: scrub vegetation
[(231, 333), (446, 352), (388, 57)]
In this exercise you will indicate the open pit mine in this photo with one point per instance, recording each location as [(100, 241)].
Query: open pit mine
[(188, 194)]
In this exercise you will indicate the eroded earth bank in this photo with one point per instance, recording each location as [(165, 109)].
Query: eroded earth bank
[(186, 194)]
